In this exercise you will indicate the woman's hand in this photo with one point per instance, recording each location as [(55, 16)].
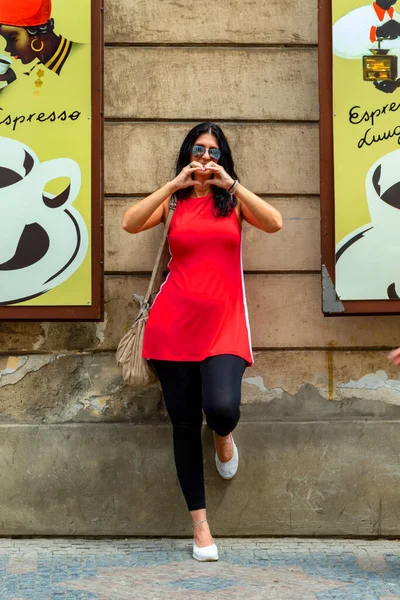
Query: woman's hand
[(394, 356), (221, 177), (184, 179)]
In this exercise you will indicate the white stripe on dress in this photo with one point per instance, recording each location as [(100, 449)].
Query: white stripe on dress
[(244, 296)]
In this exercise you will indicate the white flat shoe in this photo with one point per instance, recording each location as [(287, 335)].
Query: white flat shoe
[(227, 470), (208, 553)]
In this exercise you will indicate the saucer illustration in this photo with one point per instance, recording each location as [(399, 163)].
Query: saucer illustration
[(43, 238), (368, 258)]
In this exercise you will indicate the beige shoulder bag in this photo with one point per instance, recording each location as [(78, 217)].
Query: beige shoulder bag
[(137, 371)]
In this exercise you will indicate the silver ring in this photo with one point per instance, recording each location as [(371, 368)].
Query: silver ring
[(190, 165)]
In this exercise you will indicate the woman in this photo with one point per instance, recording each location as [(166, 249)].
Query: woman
[(197, 334), (29, 33)]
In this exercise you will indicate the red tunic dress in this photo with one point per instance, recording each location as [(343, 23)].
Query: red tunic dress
[(200, 310)]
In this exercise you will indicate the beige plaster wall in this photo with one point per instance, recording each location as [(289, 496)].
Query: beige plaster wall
[(251, 66)]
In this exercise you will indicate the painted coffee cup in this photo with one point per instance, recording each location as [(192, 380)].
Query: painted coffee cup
[(23, 179)]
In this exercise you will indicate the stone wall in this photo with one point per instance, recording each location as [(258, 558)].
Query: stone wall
[(252, 67)]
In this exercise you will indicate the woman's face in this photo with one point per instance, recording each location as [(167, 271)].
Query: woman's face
[(18, 43), (208, 141)]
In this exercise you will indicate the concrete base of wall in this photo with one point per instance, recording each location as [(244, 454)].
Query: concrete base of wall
[(295, 478)]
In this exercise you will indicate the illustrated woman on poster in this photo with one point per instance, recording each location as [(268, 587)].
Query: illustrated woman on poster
[(28, 30), (45, 152), (359, 30)]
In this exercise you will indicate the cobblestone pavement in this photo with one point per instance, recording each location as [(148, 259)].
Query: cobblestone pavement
[(250, 569)]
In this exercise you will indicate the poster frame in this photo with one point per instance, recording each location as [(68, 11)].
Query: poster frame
[(95, 311), (331, 305)]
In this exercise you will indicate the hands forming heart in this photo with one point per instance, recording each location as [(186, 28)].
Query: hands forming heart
[(211, 174), (219, 176)]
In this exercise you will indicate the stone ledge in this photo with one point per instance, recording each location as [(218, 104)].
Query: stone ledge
[(117, 479), (255, 74), (281, 386), (233, 21), (295, 248), (139, 157)]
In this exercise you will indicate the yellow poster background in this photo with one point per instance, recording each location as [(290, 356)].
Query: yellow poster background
[(366, 128), (350, 163), (70, 92)]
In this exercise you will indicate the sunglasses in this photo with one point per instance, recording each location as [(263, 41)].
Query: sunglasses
[(198, 151)]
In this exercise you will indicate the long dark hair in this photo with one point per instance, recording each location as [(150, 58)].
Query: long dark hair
[(224, 202)]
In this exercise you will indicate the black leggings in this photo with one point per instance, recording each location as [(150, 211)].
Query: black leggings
[(212, 385)]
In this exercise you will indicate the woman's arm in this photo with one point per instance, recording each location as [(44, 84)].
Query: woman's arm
[(253, 209), (257, 212), (149, 212), (394, 357), (152, 210)]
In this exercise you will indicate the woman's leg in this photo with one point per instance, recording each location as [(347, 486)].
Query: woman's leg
[(222, 378), (181, 386)]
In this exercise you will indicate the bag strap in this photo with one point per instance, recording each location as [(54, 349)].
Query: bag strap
[(158, 266)]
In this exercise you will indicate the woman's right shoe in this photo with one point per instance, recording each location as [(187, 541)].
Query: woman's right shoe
[(208, 553), (228, 469)]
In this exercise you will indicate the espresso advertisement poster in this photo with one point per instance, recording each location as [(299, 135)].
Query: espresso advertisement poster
[(366, 134), (46, 162)]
